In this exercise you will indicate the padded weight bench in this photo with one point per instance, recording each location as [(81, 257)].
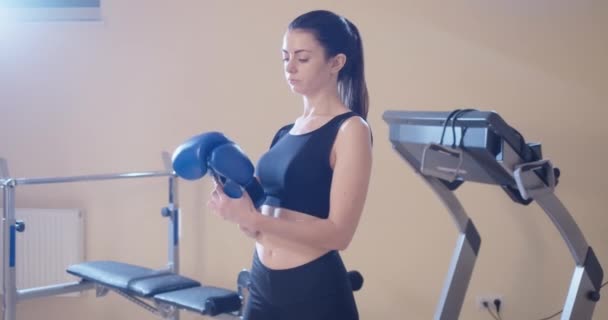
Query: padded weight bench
[(168, 290)]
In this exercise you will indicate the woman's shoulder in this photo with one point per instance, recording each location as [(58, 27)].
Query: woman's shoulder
[(355, 128), (354, 122)]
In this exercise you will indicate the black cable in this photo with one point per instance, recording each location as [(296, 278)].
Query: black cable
[(497, 305), (445, 124), (487, 306), (562, 310), (455, 117), (464, 131), (553, 315), (498, 317)]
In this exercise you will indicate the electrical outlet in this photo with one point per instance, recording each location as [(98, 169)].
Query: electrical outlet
[(489, 298)]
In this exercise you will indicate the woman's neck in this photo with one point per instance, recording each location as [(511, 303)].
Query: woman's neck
[(322, 104)]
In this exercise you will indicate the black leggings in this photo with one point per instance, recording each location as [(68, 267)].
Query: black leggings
[(318, 290)]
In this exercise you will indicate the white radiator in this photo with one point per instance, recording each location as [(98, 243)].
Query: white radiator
[(52, 241)]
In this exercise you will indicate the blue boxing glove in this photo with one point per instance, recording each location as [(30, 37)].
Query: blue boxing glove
[(229, 166), (190, 158), (233, 167)]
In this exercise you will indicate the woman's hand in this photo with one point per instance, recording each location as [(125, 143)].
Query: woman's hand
[(240, 211)]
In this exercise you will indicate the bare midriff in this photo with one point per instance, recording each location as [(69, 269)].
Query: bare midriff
[(279, 253)]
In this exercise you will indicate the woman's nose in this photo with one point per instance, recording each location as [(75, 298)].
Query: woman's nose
[(290, 67)]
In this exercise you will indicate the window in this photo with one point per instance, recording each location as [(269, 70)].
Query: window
[(52, 10)]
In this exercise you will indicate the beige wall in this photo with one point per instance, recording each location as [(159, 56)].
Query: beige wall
[(80, 98)]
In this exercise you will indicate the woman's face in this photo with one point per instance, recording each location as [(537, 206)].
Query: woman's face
[(307, 69)]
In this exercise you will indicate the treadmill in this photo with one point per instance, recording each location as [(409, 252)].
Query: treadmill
[(449, 148)]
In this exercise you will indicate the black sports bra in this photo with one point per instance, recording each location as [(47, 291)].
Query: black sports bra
[(296, 173)]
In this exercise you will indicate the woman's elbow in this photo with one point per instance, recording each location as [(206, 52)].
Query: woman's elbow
[(342, 242), (341, 236), (342, 247)]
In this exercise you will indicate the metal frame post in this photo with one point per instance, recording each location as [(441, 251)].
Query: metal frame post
[(464, 255), (9, 285), (173, 245), (585, 284), (463, 258)]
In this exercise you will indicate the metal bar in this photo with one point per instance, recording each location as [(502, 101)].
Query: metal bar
[(4, 247), (9, 281), (173, 235), (459, 275), (139, 302), (464, 255), (450, 201), (46, 291), (578, 306), (95, 177), (173, 226), (566, 225), (588, 272), (453, 293)]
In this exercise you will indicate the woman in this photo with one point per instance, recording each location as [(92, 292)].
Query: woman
[(315, 175)]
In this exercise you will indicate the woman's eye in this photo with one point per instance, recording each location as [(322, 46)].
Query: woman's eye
[(302, 60)]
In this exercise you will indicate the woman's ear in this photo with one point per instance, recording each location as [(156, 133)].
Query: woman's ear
[(338, 62)]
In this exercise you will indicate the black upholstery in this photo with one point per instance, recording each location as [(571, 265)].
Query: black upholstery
[(209, 301), (162, 286), (132, 279)]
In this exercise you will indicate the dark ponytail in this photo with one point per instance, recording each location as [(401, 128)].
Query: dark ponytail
[(338, 35)]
